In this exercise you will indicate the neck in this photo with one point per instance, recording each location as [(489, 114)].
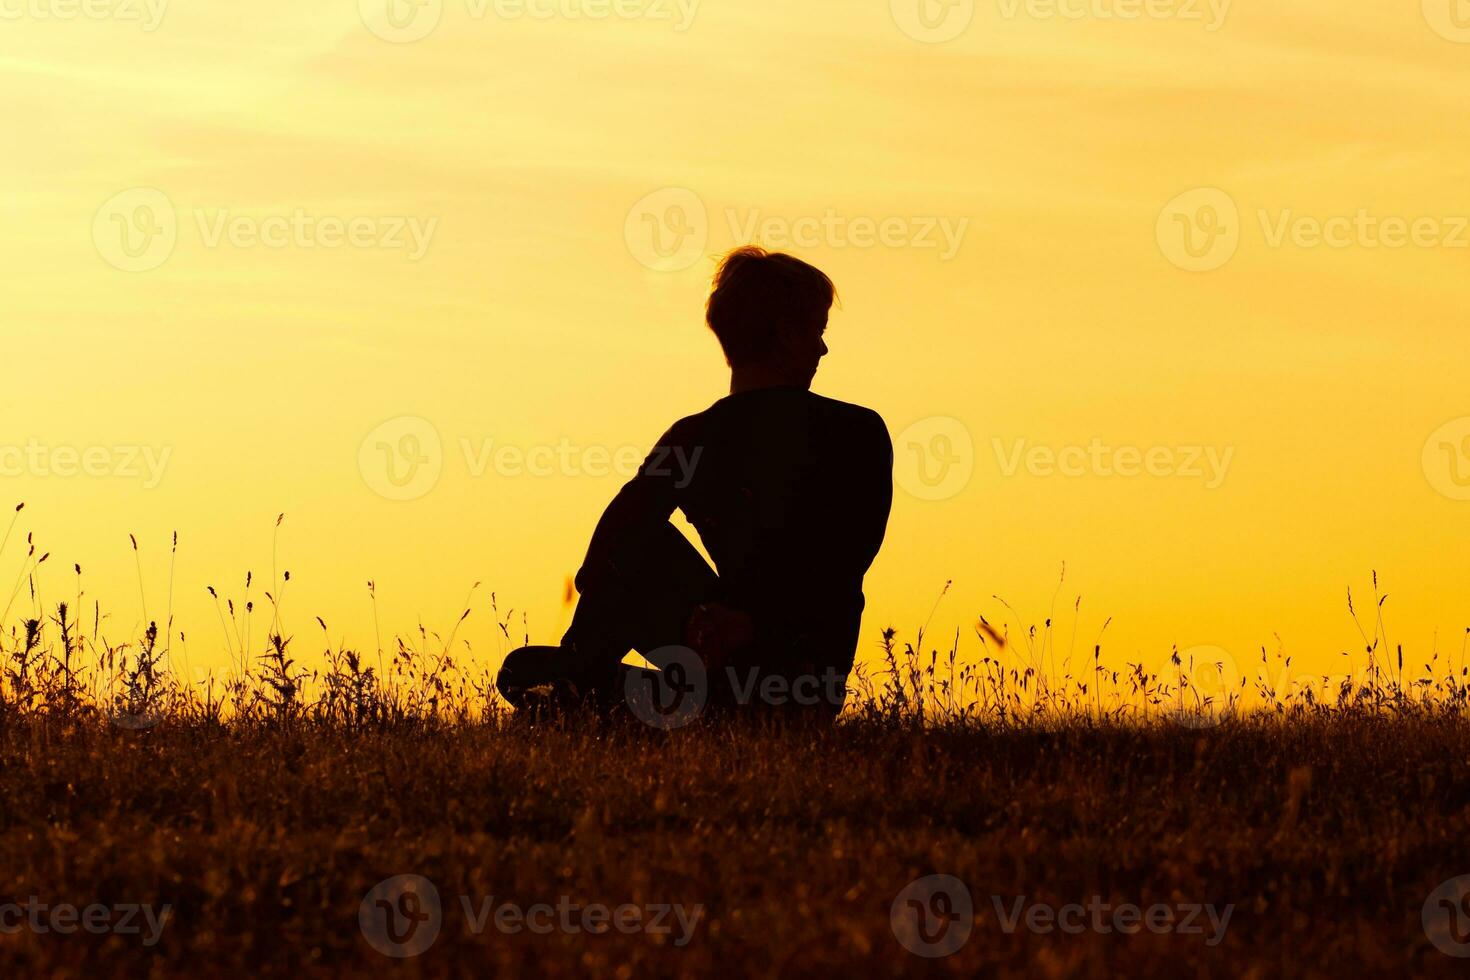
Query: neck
[(756, 377)]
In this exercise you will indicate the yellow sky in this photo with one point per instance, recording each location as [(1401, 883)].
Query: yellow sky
[(461, 234)]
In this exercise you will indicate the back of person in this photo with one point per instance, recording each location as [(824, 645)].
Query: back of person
[(790, 494)]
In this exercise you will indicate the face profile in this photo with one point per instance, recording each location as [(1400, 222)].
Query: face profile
[(802, 350)]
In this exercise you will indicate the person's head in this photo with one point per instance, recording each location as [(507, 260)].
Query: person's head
[(769, 311)]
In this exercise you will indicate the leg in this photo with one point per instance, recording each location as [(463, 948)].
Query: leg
[(639, 600)]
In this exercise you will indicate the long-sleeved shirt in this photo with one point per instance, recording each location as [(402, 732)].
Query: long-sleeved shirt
[(790, 494)]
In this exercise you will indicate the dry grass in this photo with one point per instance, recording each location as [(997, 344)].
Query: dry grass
[(1326, 833), (264, 804)]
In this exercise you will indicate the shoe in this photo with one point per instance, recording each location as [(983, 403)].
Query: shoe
[(534, 673), (555, 678)]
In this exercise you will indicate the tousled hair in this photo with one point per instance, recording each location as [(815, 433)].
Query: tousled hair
[(759, 295)]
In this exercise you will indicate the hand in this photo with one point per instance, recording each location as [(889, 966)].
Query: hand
[(715, 631)]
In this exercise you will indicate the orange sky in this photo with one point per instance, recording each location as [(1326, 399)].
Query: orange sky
[(247, 248)]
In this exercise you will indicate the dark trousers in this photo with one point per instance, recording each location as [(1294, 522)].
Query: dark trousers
[(641, 599)]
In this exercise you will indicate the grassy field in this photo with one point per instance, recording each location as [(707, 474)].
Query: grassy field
[(1022, 811), (271, 816)]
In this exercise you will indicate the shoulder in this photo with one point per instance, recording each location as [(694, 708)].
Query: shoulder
[(859, 419), (688, 429)]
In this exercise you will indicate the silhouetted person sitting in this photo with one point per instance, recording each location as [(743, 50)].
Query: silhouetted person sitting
[(790, 494)]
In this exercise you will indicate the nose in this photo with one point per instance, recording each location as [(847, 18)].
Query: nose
[(823, 344)]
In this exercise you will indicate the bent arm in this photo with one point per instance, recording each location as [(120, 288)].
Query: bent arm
[(635, 515)]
